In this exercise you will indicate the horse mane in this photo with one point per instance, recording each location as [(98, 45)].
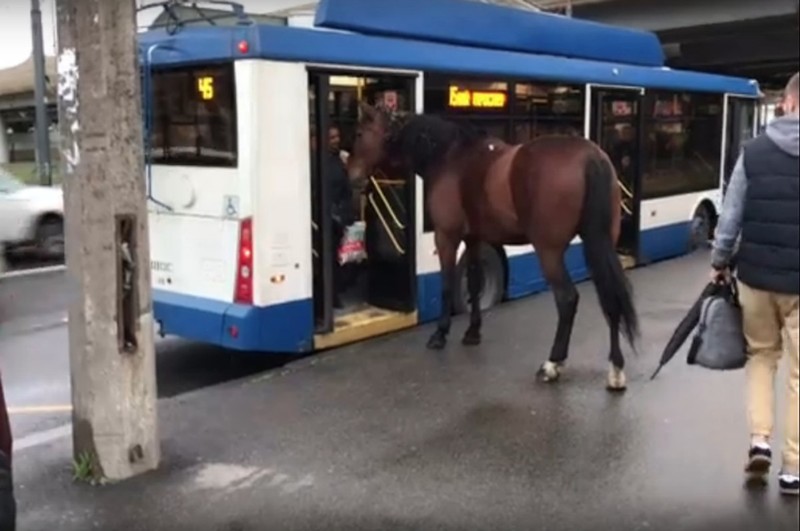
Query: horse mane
[(425, 141)]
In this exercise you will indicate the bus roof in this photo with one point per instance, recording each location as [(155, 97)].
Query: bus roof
[(477, 24), (193, 45)]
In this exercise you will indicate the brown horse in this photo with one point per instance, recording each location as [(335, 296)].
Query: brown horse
[(480, 189)]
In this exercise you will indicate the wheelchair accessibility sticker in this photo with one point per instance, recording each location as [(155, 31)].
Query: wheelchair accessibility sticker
[(230, 206)]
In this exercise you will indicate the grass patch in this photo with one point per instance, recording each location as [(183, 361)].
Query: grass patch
[(84, 469), (26, 172)]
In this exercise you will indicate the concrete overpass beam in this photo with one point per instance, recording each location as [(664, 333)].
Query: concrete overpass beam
[(778, 48), (658, 15)]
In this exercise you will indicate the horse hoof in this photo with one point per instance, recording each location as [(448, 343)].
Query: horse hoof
[(437, 341), (550, 372), (616, 380), (471, 338)]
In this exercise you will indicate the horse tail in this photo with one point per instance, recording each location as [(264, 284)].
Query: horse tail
[(611, 283)]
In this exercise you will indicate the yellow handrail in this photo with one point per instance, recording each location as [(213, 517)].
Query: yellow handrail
[(386, 226), (625, 189), (388, 206)]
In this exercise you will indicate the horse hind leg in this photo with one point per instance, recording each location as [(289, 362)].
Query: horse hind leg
[(567, 298), (474, 280), (617, 381)]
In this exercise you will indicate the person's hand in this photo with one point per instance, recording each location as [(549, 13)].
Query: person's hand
[(720, 276)]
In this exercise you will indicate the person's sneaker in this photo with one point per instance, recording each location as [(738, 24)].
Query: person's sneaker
[(759, 461), (789, 484)]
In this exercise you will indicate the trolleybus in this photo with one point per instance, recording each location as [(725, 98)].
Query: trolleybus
[(240, 120)]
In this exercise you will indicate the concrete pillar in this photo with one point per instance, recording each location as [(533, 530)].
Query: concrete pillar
[(111, 340)]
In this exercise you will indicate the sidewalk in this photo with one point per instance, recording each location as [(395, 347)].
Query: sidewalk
[(386, 435)]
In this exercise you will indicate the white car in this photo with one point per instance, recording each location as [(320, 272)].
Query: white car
[(31, 215)]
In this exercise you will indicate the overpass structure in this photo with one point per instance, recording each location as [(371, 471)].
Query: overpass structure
[(749, 38)]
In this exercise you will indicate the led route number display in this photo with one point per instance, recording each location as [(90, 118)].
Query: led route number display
[(482, 99), (205, 87)]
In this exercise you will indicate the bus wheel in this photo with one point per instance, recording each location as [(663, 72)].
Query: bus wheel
[(700, 229), (493, 282)]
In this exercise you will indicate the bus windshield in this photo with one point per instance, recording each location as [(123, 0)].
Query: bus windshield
[(194, 116)]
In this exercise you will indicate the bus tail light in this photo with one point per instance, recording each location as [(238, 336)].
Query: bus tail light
[(244, 267)]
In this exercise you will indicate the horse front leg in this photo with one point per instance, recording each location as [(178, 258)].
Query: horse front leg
[(566, 298), (474, 280), (447, 247)]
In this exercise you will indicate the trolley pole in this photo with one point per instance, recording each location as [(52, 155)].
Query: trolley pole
[(111, 343), (43, 166)]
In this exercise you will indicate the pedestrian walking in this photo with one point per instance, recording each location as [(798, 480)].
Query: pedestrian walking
[(761, 212)]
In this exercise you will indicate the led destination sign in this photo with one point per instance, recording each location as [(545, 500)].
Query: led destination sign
[(480, 99)]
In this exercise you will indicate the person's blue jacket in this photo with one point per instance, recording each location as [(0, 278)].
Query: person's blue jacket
[(785, 133)]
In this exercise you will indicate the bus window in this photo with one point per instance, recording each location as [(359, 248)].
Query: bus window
[(544, 109), (683, 137), (194, 116)]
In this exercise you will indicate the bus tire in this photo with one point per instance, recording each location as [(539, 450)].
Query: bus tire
[(493, 285), (701, 227)]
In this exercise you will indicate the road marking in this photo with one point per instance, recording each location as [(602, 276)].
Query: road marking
[(36, 271), (42, 437), (56, 408)]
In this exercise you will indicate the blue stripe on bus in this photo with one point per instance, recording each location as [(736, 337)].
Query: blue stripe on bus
[(525, 274), (476, 24), (203, 45), (287, 327), (665, 242)]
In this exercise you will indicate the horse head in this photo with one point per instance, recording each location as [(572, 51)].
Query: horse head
[(377, 130)]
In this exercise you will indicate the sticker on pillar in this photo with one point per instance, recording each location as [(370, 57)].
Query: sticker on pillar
[(230, 207)]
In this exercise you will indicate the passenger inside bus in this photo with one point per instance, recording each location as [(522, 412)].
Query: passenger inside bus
[(341, 196), (623, 151)]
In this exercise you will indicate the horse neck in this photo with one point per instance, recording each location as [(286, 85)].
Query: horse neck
[(425, 144)]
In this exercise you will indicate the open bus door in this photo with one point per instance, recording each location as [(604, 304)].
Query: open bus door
[(617, 126), (379, 294), (741, 119)]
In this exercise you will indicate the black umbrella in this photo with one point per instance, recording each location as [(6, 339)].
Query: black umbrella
[(686, 325)]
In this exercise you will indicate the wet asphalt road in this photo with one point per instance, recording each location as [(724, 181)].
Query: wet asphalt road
[(34, 356), (385, 435)]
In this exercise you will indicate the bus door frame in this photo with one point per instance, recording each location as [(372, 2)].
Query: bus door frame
[(592, 130), (728, 128), (319, 82)]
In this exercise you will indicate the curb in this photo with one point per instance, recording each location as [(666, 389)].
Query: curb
[(24, 273), (32, 325)]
